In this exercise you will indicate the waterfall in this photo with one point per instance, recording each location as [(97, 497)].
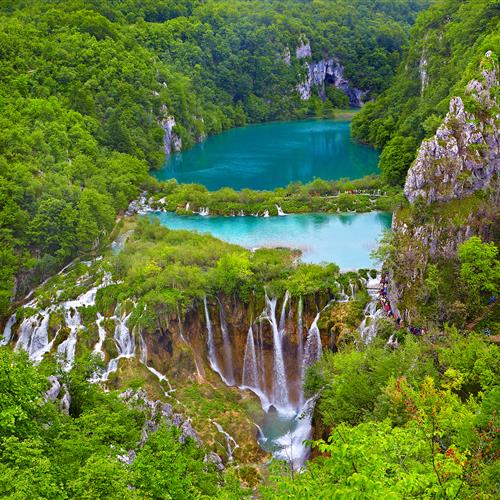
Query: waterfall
[(204, 211), (266, 213), (351, 285), (280, 396), (7, 333), (313, 348), (34, 335), (66, 350), (283, 313), (143, 358), (368, 326), (187, 207), (290, 446), (212, 351), (124, 342), (226, 342), (280, 211), (250, 376), (300, 341), (231, 444), (261, 355), (102, 336)]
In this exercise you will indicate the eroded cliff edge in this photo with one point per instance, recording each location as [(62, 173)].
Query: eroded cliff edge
[(453, 188)]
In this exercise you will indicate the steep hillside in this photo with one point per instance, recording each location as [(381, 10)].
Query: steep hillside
[(446, 44), (453, 188)]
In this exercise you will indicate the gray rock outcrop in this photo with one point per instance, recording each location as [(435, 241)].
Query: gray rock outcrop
[(464, 155), (328, 72), (172, 143)]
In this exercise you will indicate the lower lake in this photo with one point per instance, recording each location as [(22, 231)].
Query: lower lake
[(345, 239)]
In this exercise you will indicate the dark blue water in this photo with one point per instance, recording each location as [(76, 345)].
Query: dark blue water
[(271, 155)]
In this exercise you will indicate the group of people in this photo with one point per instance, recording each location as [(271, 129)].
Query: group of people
[(386, 305)]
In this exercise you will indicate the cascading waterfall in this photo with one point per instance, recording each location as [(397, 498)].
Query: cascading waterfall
[(266, 213), (250, 376), (66, 350), (280, 211), (7, 333), (33, 333), (300, 341), (227, 349), (124, 341), (231, 444), (372, 315), (212, 351), (102, 335), (313, 348), (280, 396), (283, 313)]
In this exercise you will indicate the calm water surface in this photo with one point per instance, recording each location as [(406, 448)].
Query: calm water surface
[(271, 155), (346, 239)]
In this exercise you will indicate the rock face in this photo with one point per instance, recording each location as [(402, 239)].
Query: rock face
[(453, 188), (464, 155), (329, 72), (172, 143), (325, 72)]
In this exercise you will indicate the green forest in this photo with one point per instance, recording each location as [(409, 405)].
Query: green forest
[(123, 391)]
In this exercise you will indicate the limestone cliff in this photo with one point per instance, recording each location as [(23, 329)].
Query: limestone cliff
[(172, 143), (464, 155), (453, 188), (325, 72)]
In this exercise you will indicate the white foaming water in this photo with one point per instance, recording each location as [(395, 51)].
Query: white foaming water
[(124, 341), (231, 444), (266, 213), (250, 376), (67, 349), (287, 441), (33, 334), (7, 333), (280, 397), (372, 315), (212, 353), (280, 211), (102, 335), (313, 348)]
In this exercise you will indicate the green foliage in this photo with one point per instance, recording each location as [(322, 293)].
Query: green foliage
[(446, 44), (479, 267), (418, 421), (47, 454), (358, 195)]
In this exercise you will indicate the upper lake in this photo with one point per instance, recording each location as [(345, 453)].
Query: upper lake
[(270, 155)]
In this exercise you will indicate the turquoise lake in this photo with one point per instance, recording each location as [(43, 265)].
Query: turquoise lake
[(346, 239), (271, 155)]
